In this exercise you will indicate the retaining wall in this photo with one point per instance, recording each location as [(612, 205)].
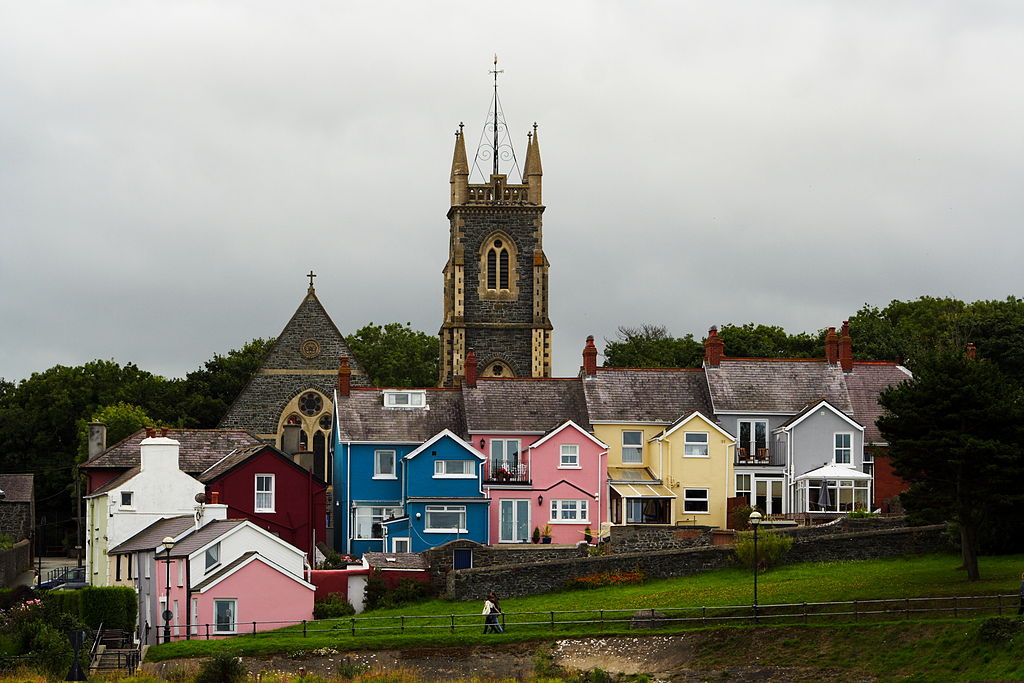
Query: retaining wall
[(545, 576), (14, 561)]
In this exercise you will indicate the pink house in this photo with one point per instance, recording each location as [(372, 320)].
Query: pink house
[(220, 579), (543, 467)]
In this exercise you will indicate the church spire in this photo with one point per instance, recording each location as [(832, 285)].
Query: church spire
[(533, 169), (460, 169)]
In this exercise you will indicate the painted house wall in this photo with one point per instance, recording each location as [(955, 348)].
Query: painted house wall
[(552, 482), (814, 438), (356, 486), (299, 513), (263, 594), (241, 540), (425, 488), (611, 434), (713, 473)]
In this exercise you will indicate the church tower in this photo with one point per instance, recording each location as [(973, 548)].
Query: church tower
[(496, 278)]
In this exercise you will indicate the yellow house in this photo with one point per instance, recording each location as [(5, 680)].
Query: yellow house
[(694, 459)]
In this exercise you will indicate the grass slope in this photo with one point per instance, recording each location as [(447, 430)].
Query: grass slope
[(812, 582)]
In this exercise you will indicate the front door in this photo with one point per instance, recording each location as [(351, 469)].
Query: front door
[(462, 558), (514, 521)]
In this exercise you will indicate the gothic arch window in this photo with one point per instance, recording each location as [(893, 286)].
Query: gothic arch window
[(497, 369), (497, 268), (312, 411)]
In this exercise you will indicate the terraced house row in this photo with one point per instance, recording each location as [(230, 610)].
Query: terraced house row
[(497, 458)]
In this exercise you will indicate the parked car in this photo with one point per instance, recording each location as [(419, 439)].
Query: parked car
[(73, 578)]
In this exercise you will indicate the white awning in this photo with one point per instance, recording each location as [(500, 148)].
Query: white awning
[(832, 472), (641, 490)]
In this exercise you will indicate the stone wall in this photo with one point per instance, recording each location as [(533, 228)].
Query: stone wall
[(440, 559), (16, 520), (14, 561), (544, 576), (644, 537)]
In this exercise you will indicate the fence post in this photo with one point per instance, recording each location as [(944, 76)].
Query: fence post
[(254, 627), (207, 631), (856, 612), (403, 622), (956, 611), (552, 621), (353, 627), (703, 615), (601, 617), (452, 616), (906, 608), (805, 612)]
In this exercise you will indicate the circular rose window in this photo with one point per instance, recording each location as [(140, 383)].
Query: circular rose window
[(310, 403)]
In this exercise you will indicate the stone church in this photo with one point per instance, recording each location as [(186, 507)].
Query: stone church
[(495, 302)]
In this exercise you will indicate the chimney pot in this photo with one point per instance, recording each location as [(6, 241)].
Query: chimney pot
[(714, 348), (344, 377), (832, 346), (846, 348), (590, 357), (215, 497), (470, 368), (150, 432)]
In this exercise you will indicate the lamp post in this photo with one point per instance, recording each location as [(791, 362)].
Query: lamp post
[(755, 521), (168, 544)]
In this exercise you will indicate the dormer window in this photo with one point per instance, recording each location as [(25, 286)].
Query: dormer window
[(405, 399), (212, 556)]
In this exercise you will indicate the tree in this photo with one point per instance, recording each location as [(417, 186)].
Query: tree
[(207, 393), (651, 346), (395, 355), (770, 341), (121, 420), (955, 434)]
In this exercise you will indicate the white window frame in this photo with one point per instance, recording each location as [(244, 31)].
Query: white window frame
[(640, 447), (266, 493), (444, 509), (704, 501), (405, 399), (441, 469), (373, 515), (562, 508), (692, 448), (378, 471), (752, 445), (837, 449), (569, 456), (747, 491), (401, 544), (131, 499), (232, 627), (212, 556)]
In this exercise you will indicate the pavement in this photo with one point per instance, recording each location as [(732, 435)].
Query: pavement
[(27, 577)]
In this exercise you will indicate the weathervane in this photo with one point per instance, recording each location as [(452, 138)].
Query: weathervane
[(495, 143), (496, 71)]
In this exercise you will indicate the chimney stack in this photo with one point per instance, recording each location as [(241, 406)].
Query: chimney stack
[(290, 437), (590, 357), (97, 438), (344, 377), (714, 348), (470, 368), (832, 346), (972, 350), (846, 348)]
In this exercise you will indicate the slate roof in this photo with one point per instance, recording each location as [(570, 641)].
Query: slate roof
[(17, 488), (197, 539), (200, 448), (154, 534), (363, 417), (775, 385), (865, 383), (524, 405), (236, 458), (645, 394), (397, 561)]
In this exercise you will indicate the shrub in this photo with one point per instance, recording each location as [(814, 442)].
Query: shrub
[(52, 649), (771, 548), (861, 514), (6, 541), (379, 596), (609, 578), (739, 517), (1000, 629), (333, 560), (334, 606), (222, 667), (348, 669)]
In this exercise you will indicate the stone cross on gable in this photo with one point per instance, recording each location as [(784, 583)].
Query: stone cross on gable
[(311, 275)]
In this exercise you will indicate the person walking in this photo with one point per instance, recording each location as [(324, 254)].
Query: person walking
[(1020, 609), (492, 608)]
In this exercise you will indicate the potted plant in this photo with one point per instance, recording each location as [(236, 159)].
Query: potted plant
[(502, 474), (536, 535), (588, 535), (545, 537)]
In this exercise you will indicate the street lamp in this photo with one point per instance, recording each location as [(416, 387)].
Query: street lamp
[(168, 544), (755, 521)]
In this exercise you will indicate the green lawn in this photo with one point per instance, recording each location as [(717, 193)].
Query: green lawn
[(813, 582)]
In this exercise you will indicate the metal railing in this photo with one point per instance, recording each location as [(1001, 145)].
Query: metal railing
[(846, 611)]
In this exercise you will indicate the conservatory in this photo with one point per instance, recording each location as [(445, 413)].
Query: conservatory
[(832, 488)]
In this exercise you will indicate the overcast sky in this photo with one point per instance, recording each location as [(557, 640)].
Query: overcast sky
[(169, 171)]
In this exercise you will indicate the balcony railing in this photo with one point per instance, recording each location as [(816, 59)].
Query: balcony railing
[(506, 472), (760, 456)]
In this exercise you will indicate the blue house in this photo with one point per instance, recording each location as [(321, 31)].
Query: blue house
[(443, 496), (374, 431)]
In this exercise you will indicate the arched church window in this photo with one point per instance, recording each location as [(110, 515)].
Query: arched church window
[(497, 266), (320, 466)]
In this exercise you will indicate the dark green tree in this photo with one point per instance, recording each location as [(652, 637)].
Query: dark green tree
[(121, 419), (207, 393), (956, 432), (395, 355), (651, 346), (770, 341)]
